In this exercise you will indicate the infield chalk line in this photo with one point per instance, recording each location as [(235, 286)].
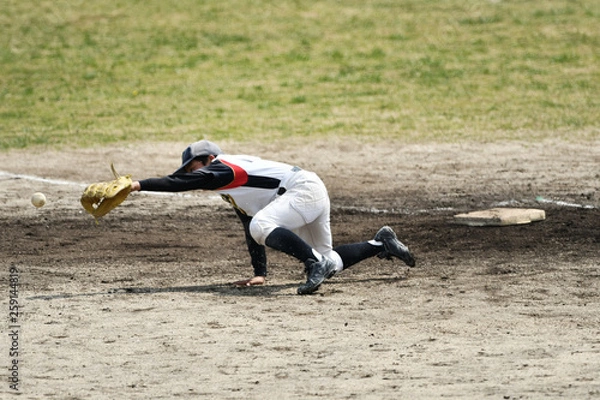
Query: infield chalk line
[(540, 199), (39, 179), (366, 210)]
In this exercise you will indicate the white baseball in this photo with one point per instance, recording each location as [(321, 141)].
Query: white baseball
[(38, 199)]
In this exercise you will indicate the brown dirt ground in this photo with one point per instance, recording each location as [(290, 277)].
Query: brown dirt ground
[(139, 306)]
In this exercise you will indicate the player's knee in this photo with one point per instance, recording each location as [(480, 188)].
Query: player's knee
[(260, 229)]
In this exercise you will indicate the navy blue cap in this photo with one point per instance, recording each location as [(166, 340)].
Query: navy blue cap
[(197, 149)]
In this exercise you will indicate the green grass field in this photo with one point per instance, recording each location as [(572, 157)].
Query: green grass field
[(83, 73)]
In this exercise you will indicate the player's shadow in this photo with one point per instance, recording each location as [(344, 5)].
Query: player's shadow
[(218, 289), (259, 290)]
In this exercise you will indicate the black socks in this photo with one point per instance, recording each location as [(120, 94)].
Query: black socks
[(356, 252), (288, 242)]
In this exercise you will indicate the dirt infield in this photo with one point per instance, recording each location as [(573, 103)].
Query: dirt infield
[(139, 306)]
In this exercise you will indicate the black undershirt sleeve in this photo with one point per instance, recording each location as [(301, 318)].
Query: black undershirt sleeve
[(257, 252), (212, 177)]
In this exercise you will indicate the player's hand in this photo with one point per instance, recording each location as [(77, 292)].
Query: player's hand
[(257, 280)]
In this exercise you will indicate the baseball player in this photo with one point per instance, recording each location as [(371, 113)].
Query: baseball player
[(281, 206)]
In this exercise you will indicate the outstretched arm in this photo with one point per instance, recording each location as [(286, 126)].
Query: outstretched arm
[(212, 177)]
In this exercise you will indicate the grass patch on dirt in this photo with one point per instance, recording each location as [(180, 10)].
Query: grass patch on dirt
[(87, 73)]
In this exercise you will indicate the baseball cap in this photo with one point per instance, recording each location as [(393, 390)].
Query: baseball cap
[(197, 149)]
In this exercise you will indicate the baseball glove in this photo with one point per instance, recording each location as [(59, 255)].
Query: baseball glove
[(99, 199)]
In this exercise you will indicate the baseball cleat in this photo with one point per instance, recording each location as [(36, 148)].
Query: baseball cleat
[(393, 247), (308, 267), (318, 271)]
